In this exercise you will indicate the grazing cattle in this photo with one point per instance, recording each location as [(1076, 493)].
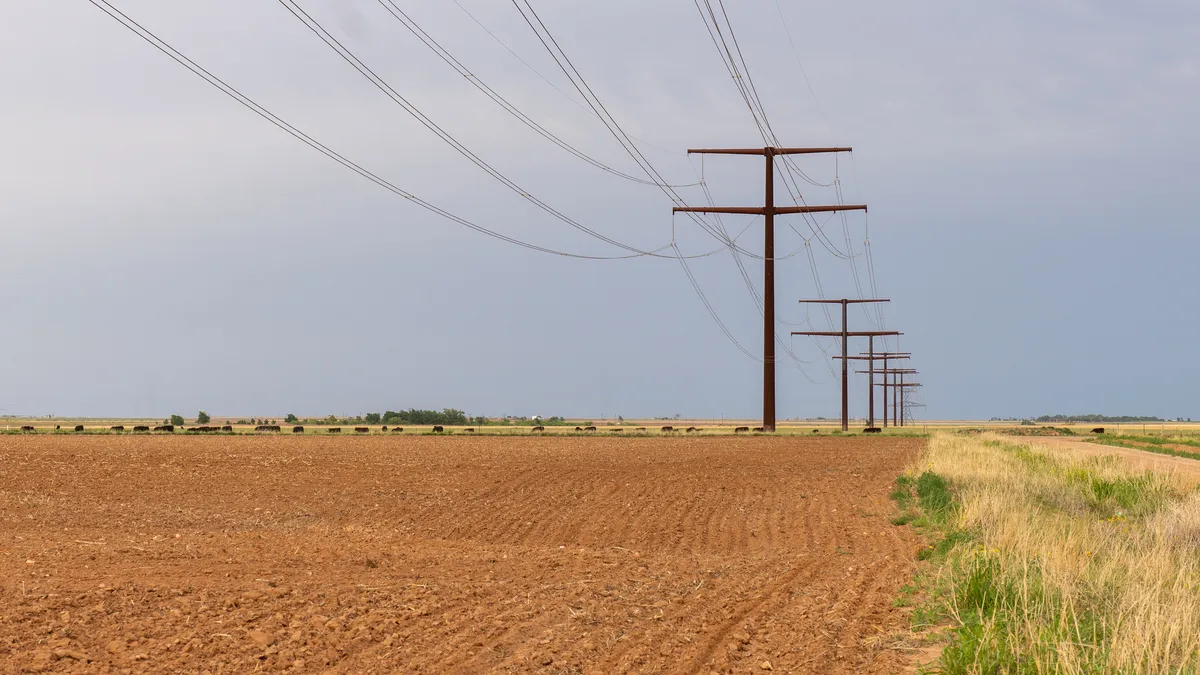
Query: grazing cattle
[(170, 428), (691, 429), (297, 430), (872, 430), (578, 428), (538, 430), (78, 427), (589, 428), (27, 428), (438, 429), (117, 428), (668, 429), (141, 428), (640, 429), (267, 428), (397, 430), (758, 430), (816, 431), (384, 428), (57, 427), (1098, 430), (227, 428), (469, 430), (742, 430), (617, 430), (335, 430), (362, 430)]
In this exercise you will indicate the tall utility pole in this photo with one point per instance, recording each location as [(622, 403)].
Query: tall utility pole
[(900, 387), (900, 372), (871, 357), (768, 212), (845, 335), (871, 375), (845, 303), (885, 356)]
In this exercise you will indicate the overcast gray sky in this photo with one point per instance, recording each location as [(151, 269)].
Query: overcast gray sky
[(1030, 167)]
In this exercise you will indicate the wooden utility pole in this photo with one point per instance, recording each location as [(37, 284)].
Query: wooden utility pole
[(768, 212), (900, 372), (845, 335), (897, 399), (871, 357), (845, 303)]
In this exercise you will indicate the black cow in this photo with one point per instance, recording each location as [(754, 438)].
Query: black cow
[(816, 431), (141, 428), (397, 430), (438, 429), (668, 429), (469, 430), (617, 430), (758, 430), (78, 427), (691, 429), (117, 428), (26, 428), (57, 427), (589, 428), (297, 430), (227, 428), (335, 430), (538, 430), (362, 430), (742, 430), (169, 428), (640, 429), (578, 429), (270, 428), (872, 430), (384, 428), (1098, 430)]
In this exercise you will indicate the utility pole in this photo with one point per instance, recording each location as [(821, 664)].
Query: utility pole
[(900, 387), (885, 356), (871, 357), (845, 335), (845, 303), (885, 372), (768, 212)]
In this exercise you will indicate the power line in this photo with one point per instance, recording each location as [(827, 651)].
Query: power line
[(394, 10), (230, 91), (381, 84)]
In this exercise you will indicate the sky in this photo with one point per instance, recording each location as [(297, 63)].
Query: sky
[(1030, 170)]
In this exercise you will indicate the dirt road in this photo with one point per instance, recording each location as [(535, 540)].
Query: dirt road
[(436, 555)]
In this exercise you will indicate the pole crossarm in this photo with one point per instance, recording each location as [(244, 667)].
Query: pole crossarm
[(760, 211), (898, 385), (845, 301), (837, 333), (891, 371), (763, 151)]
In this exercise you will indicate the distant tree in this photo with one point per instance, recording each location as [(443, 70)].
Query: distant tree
[(202, 418), (177, 420), (290, 419), (373, 418)]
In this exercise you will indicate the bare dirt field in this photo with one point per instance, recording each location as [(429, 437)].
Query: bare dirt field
[(435, 555)]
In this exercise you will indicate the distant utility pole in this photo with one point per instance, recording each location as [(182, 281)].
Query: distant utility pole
[(845, 334), (871, 357), (897, 374), (898, 398), (768, 212)]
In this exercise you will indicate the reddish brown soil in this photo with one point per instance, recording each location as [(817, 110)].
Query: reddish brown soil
[(436, 555)]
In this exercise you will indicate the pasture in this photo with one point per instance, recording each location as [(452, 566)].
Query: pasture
[(460, 553)]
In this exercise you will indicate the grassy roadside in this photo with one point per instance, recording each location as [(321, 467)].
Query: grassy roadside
[(1159, 444), (1041, 561)]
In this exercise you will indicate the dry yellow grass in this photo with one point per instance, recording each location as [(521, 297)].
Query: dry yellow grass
[(1072, 564)]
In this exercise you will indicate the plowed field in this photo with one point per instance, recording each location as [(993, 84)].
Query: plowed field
[(436, 555)]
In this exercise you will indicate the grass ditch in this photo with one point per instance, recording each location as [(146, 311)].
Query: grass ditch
[(1042, 561), (1157, 444)]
